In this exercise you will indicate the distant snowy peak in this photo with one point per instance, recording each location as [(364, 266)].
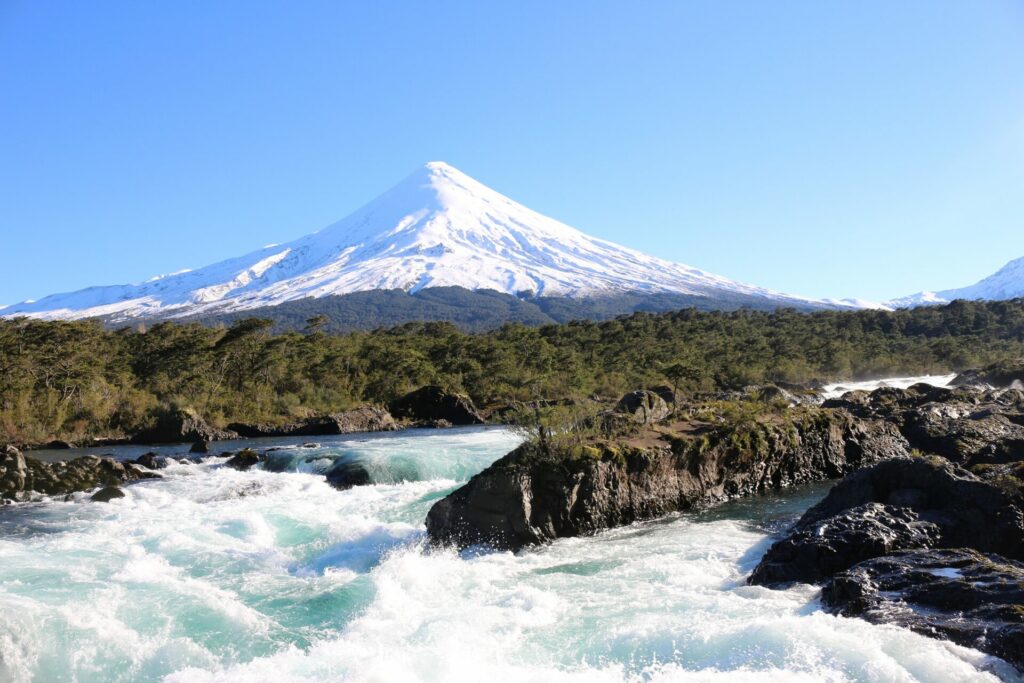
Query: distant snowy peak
[(438, 227), (1006, 283)]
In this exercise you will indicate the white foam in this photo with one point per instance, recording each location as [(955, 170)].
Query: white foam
[(218, 575), (839, 388)]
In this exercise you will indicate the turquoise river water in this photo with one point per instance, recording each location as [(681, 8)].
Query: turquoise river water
[(215, 575)]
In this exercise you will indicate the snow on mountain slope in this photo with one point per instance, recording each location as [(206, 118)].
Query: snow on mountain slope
[(1006, 283), (438, 227)]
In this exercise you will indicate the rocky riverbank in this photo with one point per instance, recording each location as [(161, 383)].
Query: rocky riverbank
[(24, 477), (695, 456), (932, 542), (925, 530)]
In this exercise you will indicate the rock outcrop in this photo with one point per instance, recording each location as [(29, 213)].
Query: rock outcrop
[(895, 505), (1003, 374), (643, 407), (974, 599), (432, 403), (181, 426), (362, 419), (967, 425), (22, 476), (530, 496)]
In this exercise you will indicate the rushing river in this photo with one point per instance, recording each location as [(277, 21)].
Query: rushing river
[(216, 575)]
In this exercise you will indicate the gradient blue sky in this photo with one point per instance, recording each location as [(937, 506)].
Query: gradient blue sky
[(866, 149)]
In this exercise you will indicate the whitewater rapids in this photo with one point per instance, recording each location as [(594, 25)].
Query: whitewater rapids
[(216, 575)]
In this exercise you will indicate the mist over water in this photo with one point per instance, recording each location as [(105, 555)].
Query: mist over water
[(216, 575)]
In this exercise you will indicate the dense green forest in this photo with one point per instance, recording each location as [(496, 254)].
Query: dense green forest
[(76, 379)]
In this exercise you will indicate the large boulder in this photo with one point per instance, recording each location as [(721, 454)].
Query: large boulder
[(815, 551), (971, 598), (107, 494), (897, 505), (245, 460), (531, 496), (181, 426), (13, 473), (345, 474), (433, 403), (643, 407), (362, 419), (21, 476)]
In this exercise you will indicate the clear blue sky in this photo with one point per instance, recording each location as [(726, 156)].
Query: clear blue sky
[(866, 149)]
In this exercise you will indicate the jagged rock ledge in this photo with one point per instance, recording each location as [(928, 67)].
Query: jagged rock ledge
[(716, 452), (22, 477)]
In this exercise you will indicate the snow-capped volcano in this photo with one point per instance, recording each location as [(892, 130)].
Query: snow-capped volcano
[(438, 227), (1005, 283)]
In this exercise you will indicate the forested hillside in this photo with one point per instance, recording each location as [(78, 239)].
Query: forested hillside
[(76, 379)]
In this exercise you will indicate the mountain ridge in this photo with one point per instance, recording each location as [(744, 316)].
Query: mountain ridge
[(436, 228), (1005, 283)]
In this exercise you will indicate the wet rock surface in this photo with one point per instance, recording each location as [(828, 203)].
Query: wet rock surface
[(23, 476), (245, 460), (974, 599), (346, 473)]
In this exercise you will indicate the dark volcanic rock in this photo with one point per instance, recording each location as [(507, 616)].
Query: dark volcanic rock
[(643, 407), (1003, 374), (200, 447), (362, 419), (970, 512), (107, 494), (896, 505), (815, 551), (530, 497), (22, 475), (973, 599), (432, 403), (179, 426), (152, 461), (245, 459), (58, 444), (348, 473), (967, 425)]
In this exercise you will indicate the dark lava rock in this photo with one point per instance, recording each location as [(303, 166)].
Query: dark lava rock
[(643, 407), (896, 505), (967, 425), (1003, 374), (200, 447), (348, 473), (245, 459), (530, 496), (180, 426), (813, 552), (432, 403), (58, 444), (971, 598), (22, 475), (970, 512), (362, 419), (152, 461), (107, 494)]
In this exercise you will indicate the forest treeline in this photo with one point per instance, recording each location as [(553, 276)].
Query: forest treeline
[(77, 379)]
